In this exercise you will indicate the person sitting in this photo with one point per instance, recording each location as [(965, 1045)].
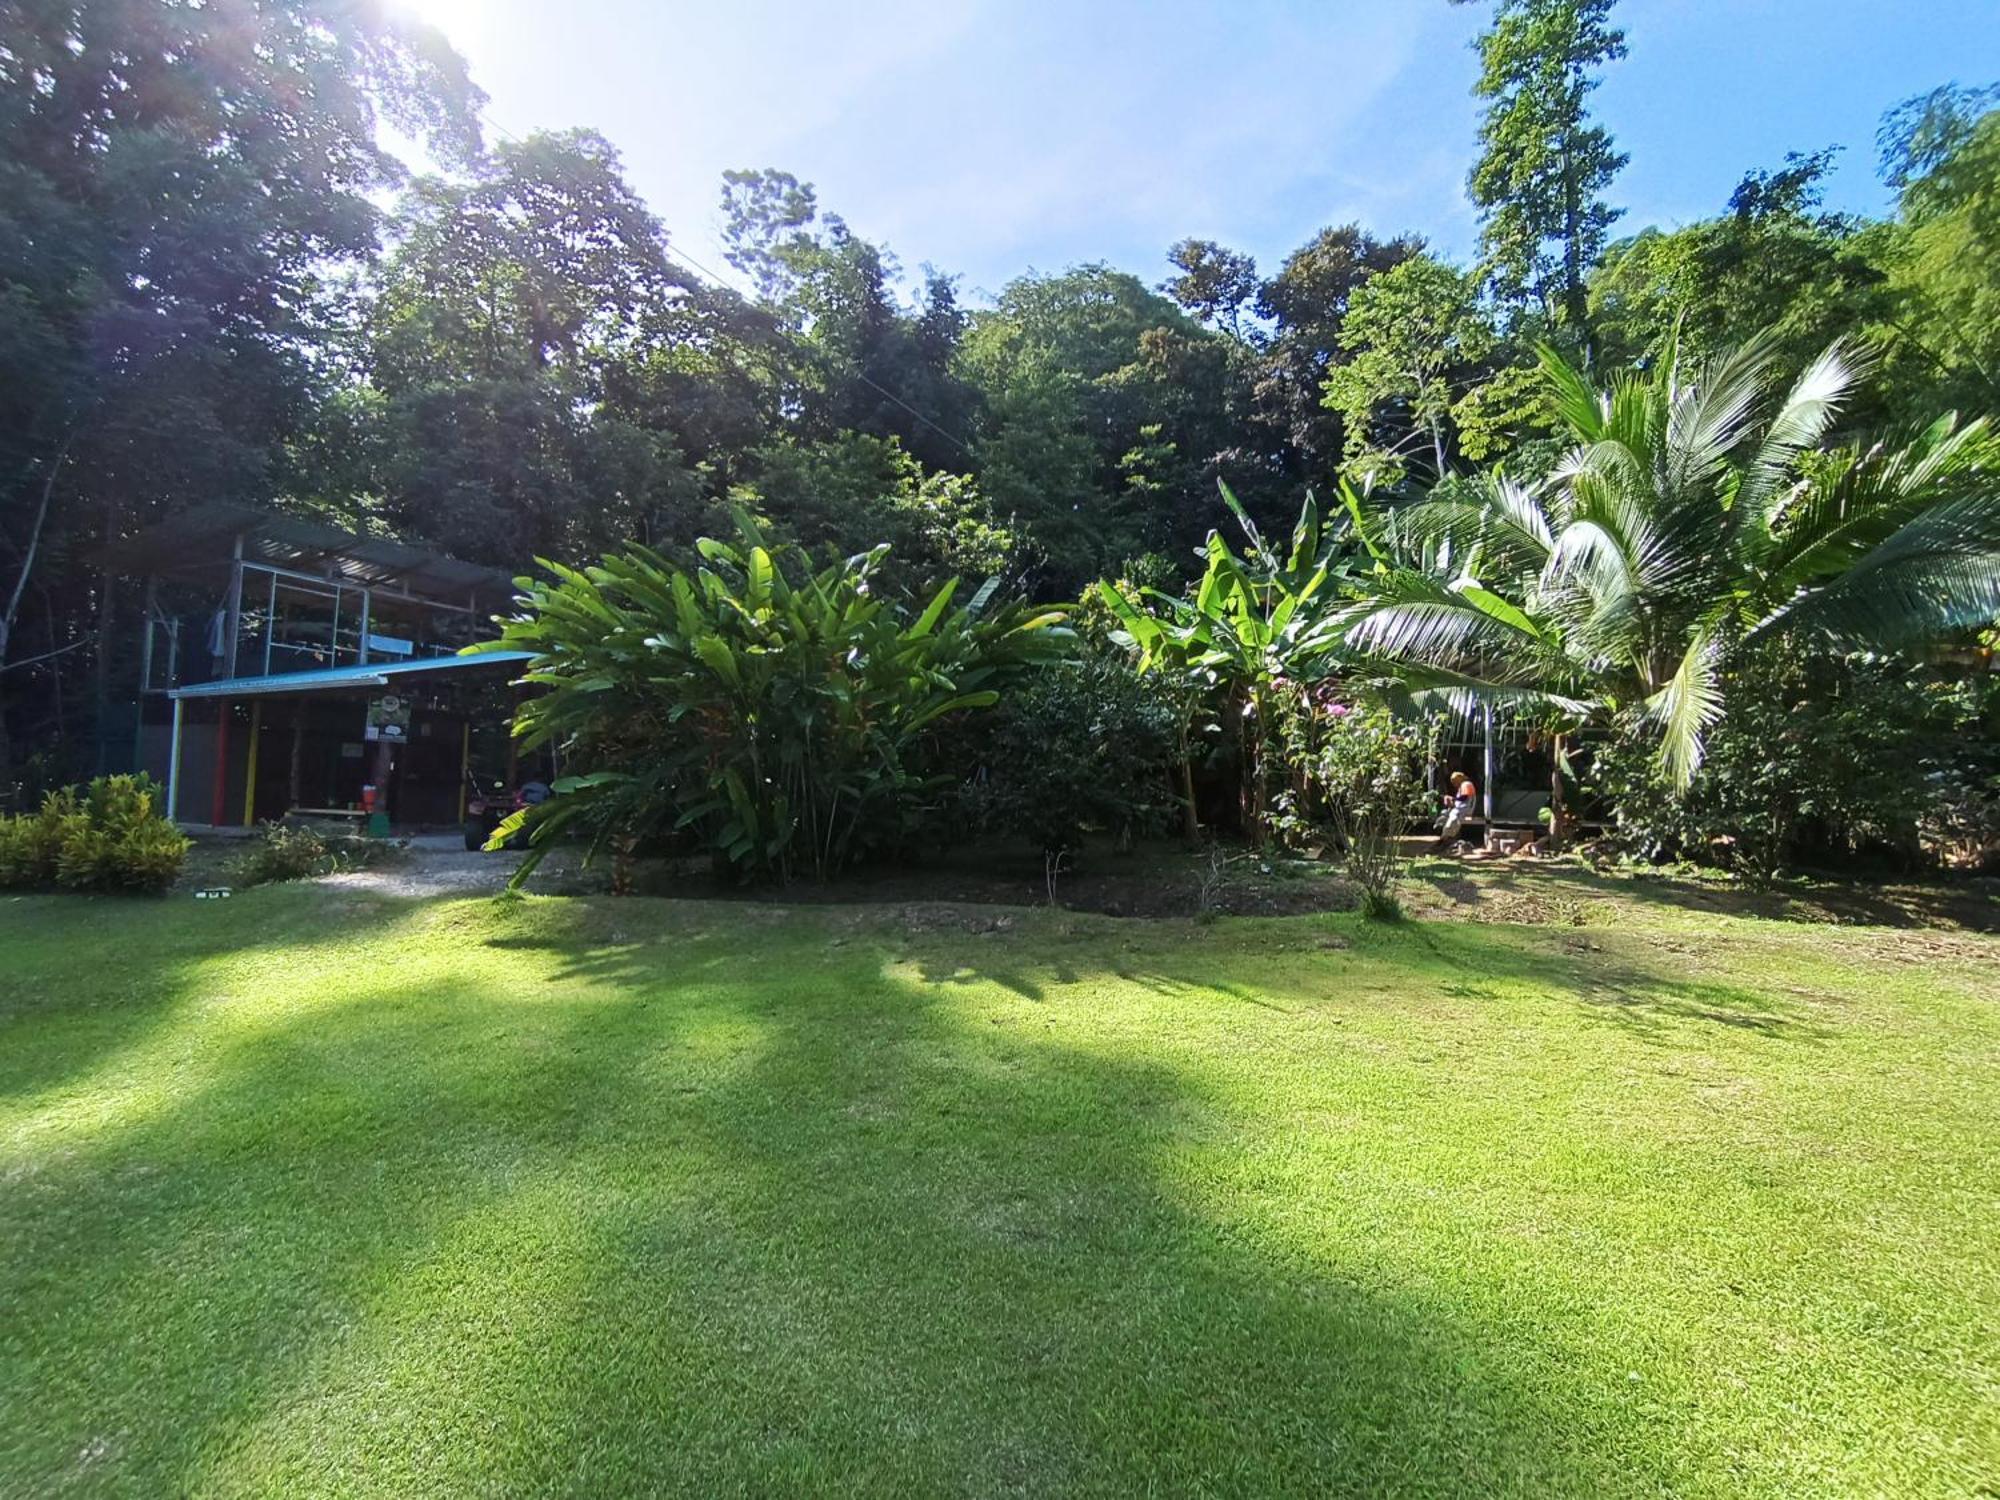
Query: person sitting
[(1459, 802)]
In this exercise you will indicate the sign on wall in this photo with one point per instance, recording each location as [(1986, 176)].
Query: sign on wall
[(389, 718)]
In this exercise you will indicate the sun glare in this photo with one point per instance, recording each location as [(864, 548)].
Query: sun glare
[(457, 19)]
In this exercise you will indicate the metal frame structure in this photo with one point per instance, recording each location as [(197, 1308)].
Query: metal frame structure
[(368, 579), (268, 591), (330, 679)]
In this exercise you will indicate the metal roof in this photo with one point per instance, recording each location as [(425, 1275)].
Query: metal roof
[(200, 541), (374, 674)]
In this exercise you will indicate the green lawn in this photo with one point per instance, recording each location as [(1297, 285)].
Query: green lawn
[(312, 1192)]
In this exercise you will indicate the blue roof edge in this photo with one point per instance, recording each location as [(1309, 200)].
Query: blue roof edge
[(374, 674)]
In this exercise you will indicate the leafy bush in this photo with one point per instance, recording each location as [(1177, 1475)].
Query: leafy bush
[(299, 851), (106, 838), (778, 715), (1818, 761), (1083, 747), (1960, 822), (1358, 783)]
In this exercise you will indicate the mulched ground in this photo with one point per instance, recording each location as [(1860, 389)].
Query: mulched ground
[(1167, 880)]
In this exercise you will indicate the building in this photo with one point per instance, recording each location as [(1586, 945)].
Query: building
[(289, 667)]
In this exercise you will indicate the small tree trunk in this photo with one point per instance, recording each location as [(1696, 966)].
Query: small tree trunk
[(1558, 803), (1260, 774), (1190, 823)]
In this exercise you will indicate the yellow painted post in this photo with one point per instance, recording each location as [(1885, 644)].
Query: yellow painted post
[(250, 771), (464, 766)]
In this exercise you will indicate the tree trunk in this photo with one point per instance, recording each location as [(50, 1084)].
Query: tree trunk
[(107, 626), (1260, 774), (1190, 822), (28, 553), (1558, 801)]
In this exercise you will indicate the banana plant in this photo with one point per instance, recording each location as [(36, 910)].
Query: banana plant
[(1253, 625), (775, 713)]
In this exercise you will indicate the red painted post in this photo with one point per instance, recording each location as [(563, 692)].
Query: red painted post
[(221, 764)]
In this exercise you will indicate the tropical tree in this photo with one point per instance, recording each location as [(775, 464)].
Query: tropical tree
[(1544, 166), (1691, 521), (776, 715), (1253, 628), (1416, 339)]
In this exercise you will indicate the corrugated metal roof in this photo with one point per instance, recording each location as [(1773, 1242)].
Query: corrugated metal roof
[(198, 542), (375, 674)]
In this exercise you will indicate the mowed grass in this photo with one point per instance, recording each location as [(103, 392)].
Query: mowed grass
[(314, 1193)]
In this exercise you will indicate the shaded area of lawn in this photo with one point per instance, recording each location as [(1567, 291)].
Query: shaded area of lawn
[(317, 1195)]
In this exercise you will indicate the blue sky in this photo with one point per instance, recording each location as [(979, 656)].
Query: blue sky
[(991, 137)]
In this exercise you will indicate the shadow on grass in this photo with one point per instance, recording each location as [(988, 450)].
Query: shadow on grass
[(1969, 902), (143, 962), (720, 1212)]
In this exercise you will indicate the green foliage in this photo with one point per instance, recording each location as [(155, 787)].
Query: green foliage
[(1086, 747), (1775, 261), (1090, 379), (108, 837), (777, 715), (1819, 761), (1215, 284), (1254, 627), (1693, 517), (853, 492), (1358, 784), (1543, 167), (1415, 338), (299, 851), (1944, 268)]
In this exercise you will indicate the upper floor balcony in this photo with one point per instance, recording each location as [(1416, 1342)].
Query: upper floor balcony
[(235, 592)]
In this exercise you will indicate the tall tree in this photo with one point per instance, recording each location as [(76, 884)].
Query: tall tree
[(1544, 166), (1074, 369), (1215, 283), (1777, 260), (1306, 305), (1942, 150), (511, 305), (179, 182), (876, 365), (1417, 342)]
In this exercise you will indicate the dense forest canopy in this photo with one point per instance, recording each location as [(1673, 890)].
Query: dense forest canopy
[(216, 283)]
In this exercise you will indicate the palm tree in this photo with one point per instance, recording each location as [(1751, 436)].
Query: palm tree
[(1691, 519)]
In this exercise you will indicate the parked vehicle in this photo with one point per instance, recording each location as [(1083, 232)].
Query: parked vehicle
[(490, 803)]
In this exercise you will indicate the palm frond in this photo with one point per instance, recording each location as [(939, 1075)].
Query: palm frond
[(1828, 524), (1939, 572), (1493, 515), (1808, 411), (1687, 707), (1425, 688), (1414, 619), (1709, 420), (1578, 406)]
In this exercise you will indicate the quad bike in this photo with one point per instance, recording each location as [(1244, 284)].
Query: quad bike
[(489, 804)]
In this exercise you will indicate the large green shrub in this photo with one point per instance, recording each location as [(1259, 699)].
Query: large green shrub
[(109, 837), (1249, 632), (1084, 747), (1357, 785), (777, 715), (1819, 761)]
